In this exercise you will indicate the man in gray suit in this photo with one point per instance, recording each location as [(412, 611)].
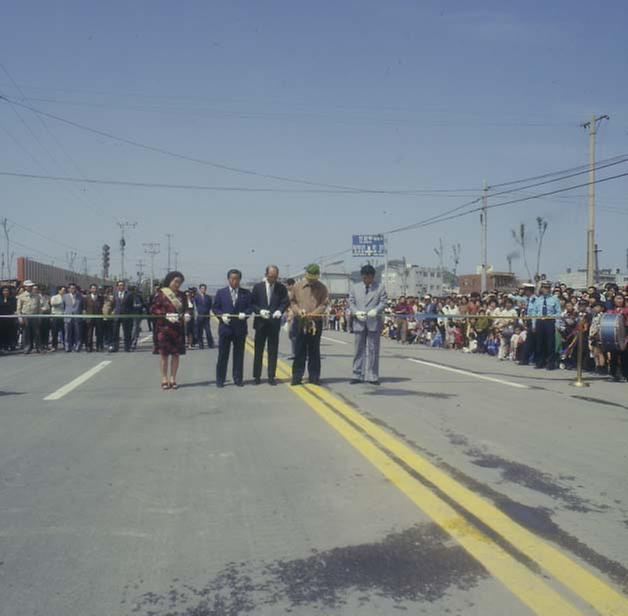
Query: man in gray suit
[(367, 302)]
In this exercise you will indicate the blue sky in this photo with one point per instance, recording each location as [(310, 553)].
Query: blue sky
[(394, 95)]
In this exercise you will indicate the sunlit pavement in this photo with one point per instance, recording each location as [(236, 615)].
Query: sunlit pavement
[(461, 485)]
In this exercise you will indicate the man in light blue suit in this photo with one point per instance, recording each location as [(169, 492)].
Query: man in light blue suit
[(367, 302)]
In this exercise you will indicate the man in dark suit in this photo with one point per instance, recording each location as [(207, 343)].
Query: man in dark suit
[(203, 306), (73, 304), (122, 305), (232, 300), (93, 305), (270, 300)]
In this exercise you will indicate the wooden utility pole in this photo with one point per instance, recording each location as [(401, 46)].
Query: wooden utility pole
[(484, 238), (592, 126)]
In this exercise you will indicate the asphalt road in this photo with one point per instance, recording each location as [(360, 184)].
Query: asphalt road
[(461, 485)]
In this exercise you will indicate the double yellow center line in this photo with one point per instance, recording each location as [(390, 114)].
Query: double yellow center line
[(409, 471)]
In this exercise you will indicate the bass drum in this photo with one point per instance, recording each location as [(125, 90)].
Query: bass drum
[(613, 332)]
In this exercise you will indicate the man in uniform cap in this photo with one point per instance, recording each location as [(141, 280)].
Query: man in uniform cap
[(367, 302), (308, 300)]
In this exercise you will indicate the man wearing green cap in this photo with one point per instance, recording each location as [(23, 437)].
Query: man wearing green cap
[(308, 300)]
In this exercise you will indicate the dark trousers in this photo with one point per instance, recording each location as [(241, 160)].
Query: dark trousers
[(545, 343), (57, 332), (529, 346), (107, 333), (308, 349), (127, 331), (268, 332), (44, 332), (73, 340), (93, 326), (204, 330), (619, 363), (7, 333), (224, 348), (30, 333)]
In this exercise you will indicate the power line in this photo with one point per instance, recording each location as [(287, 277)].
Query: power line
[(42, 236), (522, 199), (254, 189), (41, 120), (217, 165), (351, 118), (552, 173), (621, 160)]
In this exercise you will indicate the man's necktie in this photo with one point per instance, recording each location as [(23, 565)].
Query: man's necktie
[(545, 306)]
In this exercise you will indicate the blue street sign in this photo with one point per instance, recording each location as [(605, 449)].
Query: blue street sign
[(372, 245)]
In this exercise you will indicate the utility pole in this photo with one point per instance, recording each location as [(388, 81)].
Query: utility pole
[(596, 271), (9, 256), (169, 236), (84, 266), (592, 126), (152, 249), (123, 224), (386, 249), (484, 238), (176, 259), (71, 257), (140, 272)]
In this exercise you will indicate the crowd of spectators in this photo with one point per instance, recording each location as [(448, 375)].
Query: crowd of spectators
[(117, 311), (496, 324)]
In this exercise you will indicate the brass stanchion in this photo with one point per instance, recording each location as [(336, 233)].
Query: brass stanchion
[(579, 382)]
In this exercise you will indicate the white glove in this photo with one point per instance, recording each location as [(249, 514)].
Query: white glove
[(277, 314), (242, 316), (265, 314), (360, 315), (372, 312), (172, 317), (187, 317), (226, 319)]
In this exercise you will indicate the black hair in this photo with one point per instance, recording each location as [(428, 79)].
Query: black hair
[(234, 271), (170, 276), (367, 270), (290, 281), (201, 286)]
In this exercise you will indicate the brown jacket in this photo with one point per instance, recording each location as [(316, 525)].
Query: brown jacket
[(309, 295)]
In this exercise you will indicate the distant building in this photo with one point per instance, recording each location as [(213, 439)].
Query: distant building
[(49, 276), (472, 283), (412, 280), (578, 279), (337, 281)]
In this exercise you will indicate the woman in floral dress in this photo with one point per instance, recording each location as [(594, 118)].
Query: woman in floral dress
[(169, 330)]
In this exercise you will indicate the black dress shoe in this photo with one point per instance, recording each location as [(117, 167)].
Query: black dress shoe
[(296, 382), (355, 381), (258, 381), (272, 382), (240, 384), (220, 385), (374, 383), (314, 381)]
